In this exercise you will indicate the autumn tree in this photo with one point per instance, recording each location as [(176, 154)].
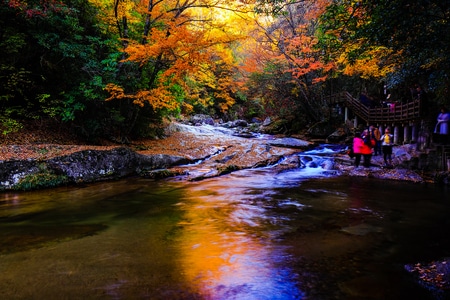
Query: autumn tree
[(183, 59), (149, 59), (285, 65), (399, 40)]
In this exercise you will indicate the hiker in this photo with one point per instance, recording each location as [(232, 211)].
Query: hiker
[(357, 145), (387, 143), (366, 149), (442, 126), (376, 134)]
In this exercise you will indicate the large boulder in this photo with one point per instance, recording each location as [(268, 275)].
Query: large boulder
[(200, 119), (289, 142), (337, 136), (82, 166), (90, 165), (11, 172)]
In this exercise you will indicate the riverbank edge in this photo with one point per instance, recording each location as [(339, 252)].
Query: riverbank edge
[(94, 165)]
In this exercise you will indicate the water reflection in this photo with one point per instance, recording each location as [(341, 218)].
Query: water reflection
[(252, 234), (227, 244)]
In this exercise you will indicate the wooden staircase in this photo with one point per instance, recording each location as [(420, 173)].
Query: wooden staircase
[(395, 114), (399, 114)]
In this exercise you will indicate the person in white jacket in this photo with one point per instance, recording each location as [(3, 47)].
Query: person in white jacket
[(387, 143)]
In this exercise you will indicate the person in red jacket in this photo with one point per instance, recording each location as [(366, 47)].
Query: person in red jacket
[(357, 145), (361, 148), (366, 149)]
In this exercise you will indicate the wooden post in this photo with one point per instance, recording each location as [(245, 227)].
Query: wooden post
[(396, 134), (414, 133), (406, 138)]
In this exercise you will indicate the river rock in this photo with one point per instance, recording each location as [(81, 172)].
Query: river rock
[(289, 142), (200, 119), (11, 172), (433, 275), (86, 166), (236, 123), (292, 162), (361, 229), (337, 136), (267, 121)]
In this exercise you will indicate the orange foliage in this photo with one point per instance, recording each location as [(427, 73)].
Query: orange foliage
[(316, 8), (302, 52), (185, 44), (289, 44), (158, 98)]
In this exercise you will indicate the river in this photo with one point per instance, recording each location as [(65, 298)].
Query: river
[(252, 234)]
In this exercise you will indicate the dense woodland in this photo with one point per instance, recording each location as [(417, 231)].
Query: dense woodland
[(118, 68)]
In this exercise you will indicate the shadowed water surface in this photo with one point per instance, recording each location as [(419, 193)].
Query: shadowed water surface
[(252, 234)]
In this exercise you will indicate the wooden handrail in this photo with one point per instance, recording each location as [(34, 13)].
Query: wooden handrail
[(396, 113)]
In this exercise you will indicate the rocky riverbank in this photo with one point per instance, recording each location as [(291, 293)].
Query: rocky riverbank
[(220, 150), (34, 166)]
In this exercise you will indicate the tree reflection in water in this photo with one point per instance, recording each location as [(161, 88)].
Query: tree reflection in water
[(252, 234)]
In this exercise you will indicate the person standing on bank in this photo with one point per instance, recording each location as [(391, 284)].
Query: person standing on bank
[(376, 134), (387, 143), (357, 145), (366, 148), (442, 126)]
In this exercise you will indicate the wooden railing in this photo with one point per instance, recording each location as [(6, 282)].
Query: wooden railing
[(395, 113)]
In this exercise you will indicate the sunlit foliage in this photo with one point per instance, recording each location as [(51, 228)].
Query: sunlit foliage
[(184, 45), (153, 59), (285, 62)]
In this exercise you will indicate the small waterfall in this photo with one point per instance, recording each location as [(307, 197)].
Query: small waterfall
[(318, 162), (205, 129)]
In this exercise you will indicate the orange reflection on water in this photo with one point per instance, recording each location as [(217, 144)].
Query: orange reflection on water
[(224, 251), (11, 198)]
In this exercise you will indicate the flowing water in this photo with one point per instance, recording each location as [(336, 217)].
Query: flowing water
[(252, 234)]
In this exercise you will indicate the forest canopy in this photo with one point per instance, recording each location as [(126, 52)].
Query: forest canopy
[(117, 68)]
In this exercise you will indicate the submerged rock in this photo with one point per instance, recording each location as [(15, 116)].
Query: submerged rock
[(361, 229), (434, 276)]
